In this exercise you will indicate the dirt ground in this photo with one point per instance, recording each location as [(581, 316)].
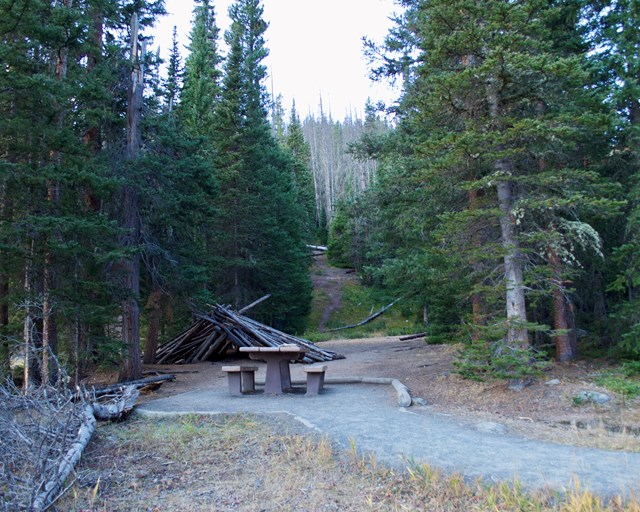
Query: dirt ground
[(540, 411)]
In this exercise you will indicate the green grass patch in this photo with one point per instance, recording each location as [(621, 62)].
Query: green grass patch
[(358, 303), (628, 388)]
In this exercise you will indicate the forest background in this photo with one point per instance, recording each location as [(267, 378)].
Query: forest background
[(498, 196)]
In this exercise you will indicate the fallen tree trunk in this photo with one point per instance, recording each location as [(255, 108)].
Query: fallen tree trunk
[(412, 336), (366, 320), (52, 488), (119, 407), (136, 383), (91, 412)]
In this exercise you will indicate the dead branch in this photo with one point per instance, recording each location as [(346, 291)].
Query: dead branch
[(69, 460), (368, 319), (254, 303)]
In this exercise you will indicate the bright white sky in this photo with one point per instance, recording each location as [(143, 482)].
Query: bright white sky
[(315, 49)]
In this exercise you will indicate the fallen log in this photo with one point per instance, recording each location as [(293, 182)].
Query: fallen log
[(412, 336), (52, 488), (135, 383), (118, 408), (366, 320)]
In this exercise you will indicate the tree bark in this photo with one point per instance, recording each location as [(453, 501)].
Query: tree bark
[(31, 374), (565, 340), (154, 305), (515, 298), (130, 265), (4, 295)]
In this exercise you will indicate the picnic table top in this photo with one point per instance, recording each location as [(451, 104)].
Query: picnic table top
[(289, 349)]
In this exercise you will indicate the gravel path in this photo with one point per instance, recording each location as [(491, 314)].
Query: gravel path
[(368, 416)]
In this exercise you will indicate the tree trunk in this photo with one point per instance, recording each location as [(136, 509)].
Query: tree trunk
[(513, 265), (154, 304), (130, 265), (564, 337), (4, 295), (515, 298), (49, 316), (478, 305), (31, 374)]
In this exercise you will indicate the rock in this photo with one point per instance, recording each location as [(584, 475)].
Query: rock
[(419, 401), (592, 396), (491, 427), (519, 384), (552, 382)]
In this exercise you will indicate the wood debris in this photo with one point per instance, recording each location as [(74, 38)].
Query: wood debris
[(210, 336)]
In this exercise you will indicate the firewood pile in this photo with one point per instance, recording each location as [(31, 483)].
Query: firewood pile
[(212, 335)]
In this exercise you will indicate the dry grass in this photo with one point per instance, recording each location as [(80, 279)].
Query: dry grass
[(246, 463)]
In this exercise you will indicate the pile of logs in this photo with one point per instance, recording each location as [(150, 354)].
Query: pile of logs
[(212, 335)]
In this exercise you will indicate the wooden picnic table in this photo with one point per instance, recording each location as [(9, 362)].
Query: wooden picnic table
[(278, 378)]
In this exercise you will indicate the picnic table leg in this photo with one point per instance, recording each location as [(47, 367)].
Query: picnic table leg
[(285, 374), (273, 380)]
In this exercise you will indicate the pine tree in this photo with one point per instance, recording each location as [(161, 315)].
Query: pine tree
[(174, 74), (613, 32), (202, 72), (259, 228), (302, 177), (495, 108)]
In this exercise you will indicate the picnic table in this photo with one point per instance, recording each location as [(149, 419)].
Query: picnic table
[(278, 378)]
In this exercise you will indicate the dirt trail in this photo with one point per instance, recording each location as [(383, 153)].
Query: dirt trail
[(329, 281)]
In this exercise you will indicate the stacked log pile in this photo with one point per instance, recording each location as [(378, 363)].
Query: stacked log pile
[(212, 335)]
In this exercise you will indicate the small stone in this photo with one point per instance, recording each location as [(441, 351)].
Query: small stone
[(491, 427), (593, 396), (519, 384), (553, 382), (419, 401)]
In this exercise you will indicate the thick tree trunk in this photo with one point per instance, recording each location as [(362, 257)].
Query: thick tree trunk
[(513, 264), (515, 297), (566, 347), (49, 315), (130, 268), (130, 265)]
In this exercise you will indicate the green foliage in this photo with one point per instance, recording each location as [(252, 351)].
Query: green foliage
[(621, 385), (496, 360), (340, 241)]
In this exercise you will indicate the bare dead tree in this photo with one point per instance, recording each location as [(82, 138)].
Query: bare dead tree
[(43, 433)]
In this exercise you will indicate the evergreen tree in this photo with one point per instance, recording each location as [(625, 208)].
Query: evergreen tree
[(614, 32), (202, 72), (174, 74), (498, 115), (259, 229), (302, 177)]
